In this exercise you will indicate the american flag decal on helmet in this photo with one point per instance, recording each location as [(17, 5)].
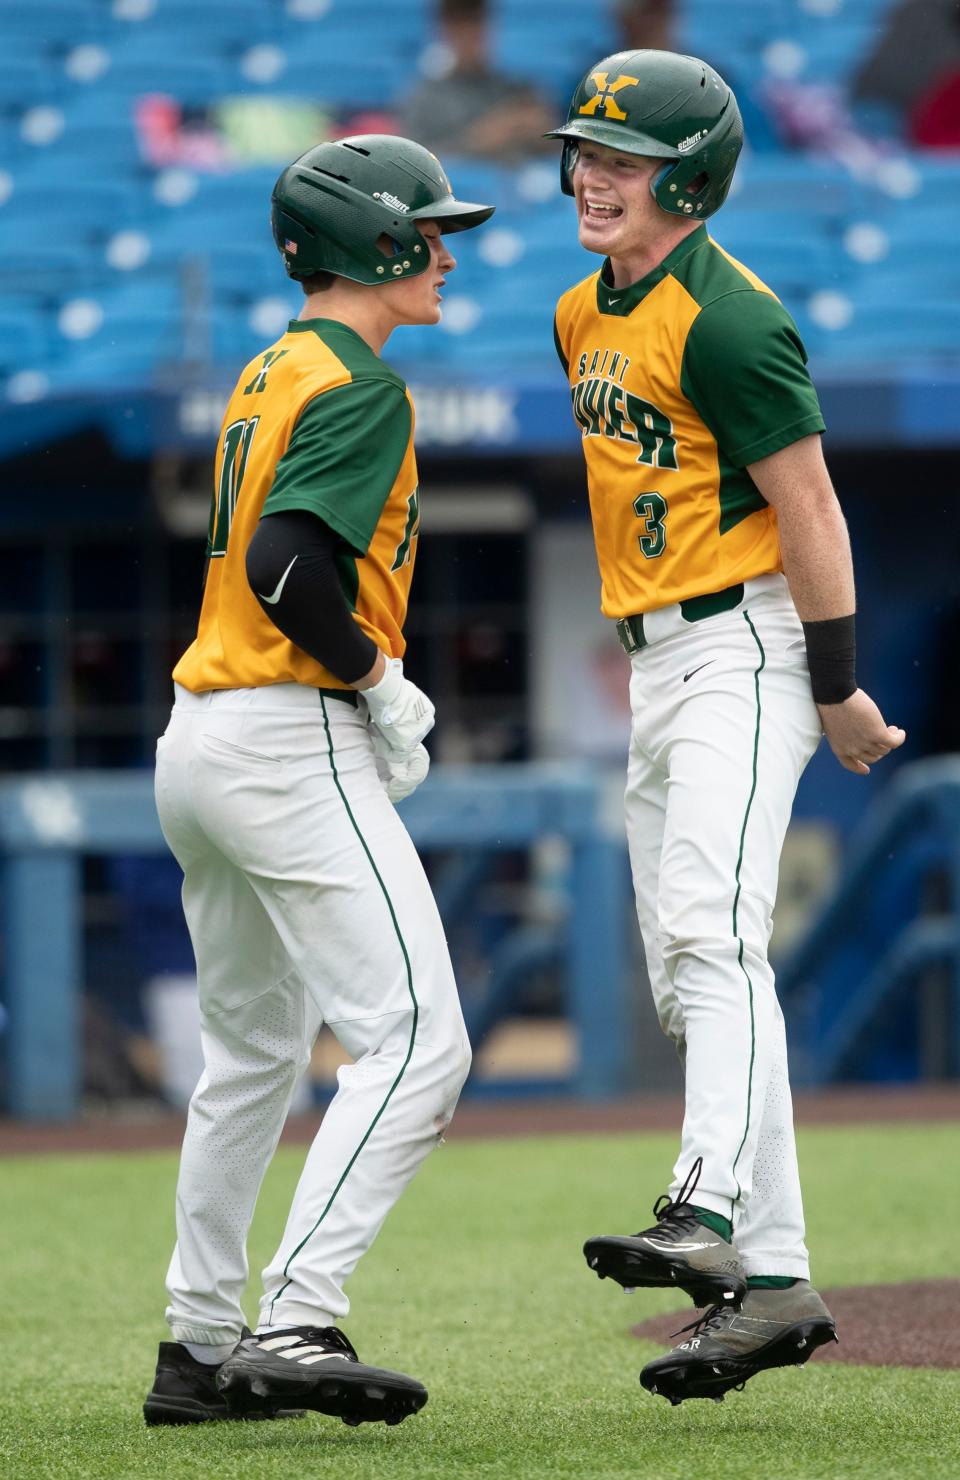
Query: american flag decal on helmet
[(290, 247)]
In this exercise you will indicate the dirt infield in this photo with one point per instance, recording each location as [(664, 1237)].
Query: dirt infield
[(914, 1325), (478, 1119)]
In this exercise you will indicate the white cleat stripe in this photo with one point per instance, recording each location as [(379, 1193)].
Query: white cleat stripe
[(681, 1248), (302, 1352)]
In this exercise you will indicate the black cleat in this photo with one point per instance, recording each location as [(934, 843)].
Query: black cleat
[(185, 1391), (773, 1328), (316, 1368), (679, 1252)]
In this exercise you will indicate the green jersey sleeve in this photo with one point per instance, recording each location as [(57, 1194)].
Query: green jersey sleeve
[(744, 369), (344, 456)]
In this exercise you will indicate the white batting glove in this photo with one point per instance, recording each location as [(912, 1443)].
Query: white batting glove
[(399, 774), (401, 712)]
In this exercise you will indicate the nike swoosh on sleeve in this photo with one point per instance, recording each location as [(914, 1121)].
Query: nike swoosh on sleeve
[(272, 600)]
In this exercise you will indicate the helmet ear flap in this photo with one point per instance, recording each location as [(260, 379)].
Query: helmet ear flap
[(568, 158), (686, 195), (658, 179)]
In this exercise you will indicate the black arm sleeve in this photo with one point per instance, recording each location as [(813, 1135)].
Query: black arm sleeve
[(291, 567)]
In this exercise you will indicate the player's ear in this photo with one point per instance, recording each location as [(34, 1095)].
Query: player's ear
[(389, 246)]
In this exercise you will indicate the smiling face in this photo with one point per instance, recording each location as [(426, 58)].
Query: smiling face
[(416, 300), (617, 214), (615, 208)]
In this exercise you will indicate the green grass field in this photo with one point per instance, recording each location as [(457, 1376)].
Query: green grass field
[(476, 1286)]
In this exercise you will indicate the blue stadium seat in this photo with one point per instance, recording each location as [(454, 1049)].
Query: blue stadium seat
[(26, 84), (898, 334), (23, 339), (125, 361), (798, 182), (142, 327), (46, 265), (550, 52), (68, 206), (56, 22), (240, 23), (834, 48), (235, 340), (103, 146), (190, 79), (340, 26), (382, 79), (787, 220)]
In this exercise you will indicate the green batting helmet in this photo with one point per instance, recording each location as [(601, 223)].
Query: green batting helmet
[(670, 107), (332, 206)]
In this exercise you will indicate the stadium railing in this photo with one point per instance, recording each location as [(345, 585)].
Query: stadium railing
[(49, 822), (879, 932)]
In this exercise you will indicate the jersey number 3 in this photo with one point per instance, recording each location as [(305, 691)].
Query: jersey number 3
[(237, 439), (652, 509)]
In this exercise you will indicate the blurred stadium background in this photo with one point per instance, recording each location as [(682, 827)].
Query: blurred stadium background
[(139, 140)]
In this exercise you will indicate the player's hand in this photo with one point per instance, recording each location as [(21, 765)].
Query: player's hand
[(857, 733), (399, 774), (402, 713)]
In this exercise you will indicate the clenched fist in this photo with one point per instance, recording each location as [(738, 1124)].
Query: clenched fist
[(399, 774), (857, 733), (401, 713)]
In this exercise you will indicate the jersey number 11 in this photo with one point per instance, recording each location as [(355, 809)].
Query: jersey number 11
[(237, 438)]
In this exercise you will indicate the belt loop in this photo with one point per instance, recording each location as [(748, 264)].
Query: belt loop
[(346, 696), (695, 608), (631, 635)]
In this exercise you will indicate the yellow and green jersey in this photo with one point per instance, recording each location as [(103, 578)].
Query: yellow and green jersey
[(679, 382), (316, 422)]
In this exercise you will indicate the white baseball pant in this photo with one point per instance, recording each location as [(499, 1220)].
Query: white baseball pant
[(306, 903), (723, 724)]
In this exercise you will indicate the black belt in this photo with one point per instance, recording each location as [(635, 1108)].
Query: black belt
[(349, 696), (694, 609)]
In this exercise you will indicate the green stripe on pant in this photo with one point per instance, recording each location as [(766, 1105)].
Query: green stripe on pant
[(736, 898), (413, 1029)]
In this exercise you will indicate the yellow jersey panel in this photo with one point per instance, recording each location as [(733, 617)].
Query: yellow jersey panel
[(316, 422), (677, 383)]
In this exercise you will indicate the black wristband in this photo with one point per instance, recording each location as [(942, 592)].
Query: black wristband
[(832, 658)]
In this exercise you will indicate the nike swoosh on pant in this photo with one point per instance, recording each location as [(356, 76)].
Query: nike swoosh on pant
[(697, 670), (272, 600)]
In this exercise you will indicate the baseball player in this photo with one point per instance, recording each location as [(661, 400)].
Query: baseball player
[(725, 564), (293, 731)]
